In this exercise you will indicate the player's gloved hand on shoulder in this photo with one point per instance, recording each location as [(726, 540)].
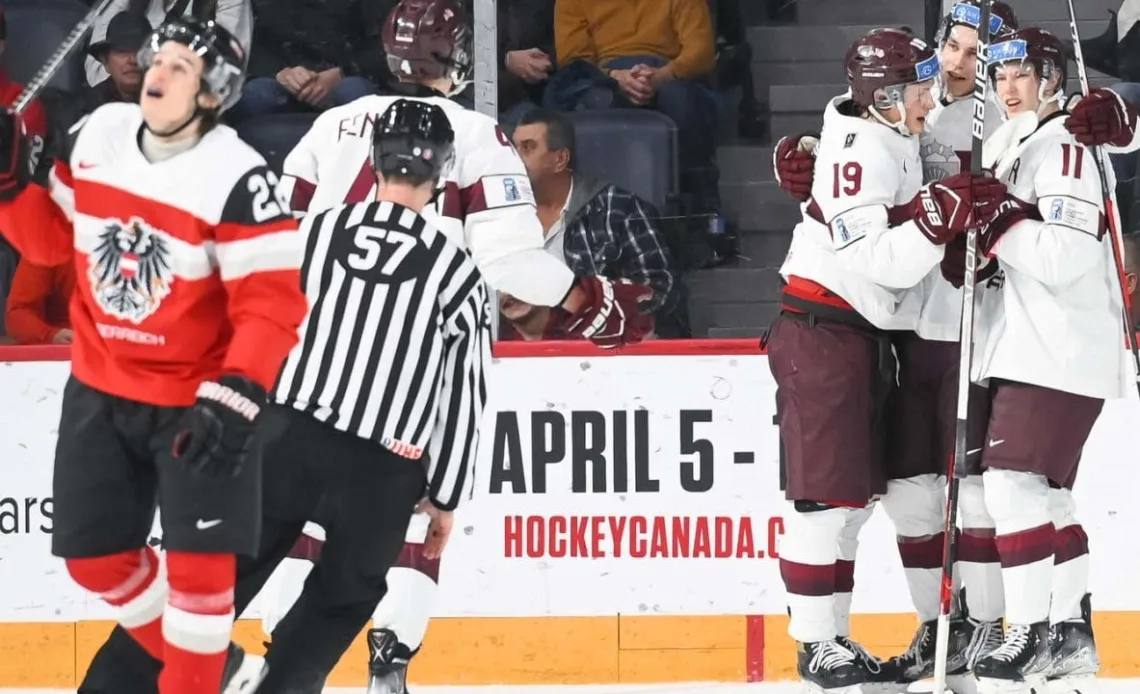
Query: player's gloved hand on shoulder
[(944, 209), (794, 164), (953, 265), (1009, 212), (610, 315), (216, 433), (15, 155), (1102, 118)]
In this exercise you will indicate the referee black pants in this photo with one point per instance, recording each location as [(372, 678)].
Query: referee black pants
[(362, 495)]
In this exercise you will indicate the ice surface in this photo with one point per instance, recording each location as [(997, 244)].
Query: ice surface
[(1108, 686)]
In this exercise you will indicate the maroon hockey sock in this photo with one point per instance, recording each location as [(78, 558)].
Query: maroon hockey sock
[(134, 585), (198, 622)]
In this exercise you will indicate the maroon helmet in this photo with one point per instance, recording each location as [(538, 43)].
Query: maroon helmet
[(429, 39), (888, 59), (1036, 46), (1003, 21)]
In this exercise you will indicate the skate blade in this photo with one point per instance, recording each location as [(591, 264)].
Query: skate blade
[(955, 684), (1074, 684), (1033, 684), (809, 688), (249, 675)]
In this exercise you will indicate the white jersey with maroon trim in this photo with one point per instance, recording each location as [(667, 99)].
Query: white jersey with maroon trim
[(185, 268), (487, 208), (865, 254), (945, 148), (1052, 316)]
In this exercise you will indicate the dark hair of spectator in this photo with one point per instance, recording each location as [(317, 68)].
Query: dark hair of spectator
[(559, 130)]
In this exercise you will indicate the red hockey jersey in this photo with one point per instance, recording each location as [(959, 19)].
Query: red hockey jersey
[(185, 268), (35, 119)]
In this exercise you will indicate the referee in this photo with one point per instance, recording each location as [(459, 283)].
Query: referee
[(379, 404)]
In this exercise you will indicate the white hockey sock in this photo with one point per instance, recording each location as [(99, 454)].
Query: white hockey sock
[(916, 506), (845, 567), (978, 560), (1019, 504), (809, 549), (1071, 558), (412, 587)]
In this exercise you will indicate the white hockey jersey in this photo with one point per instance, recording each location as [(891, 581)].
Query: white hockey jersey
[(945, 150), (487, 208), (1052, 316), (863, 170)]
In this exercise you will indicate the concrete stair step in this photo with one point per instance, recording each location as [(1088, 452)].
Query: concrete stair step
[(768, 210), (766, 74), (880, 12), (793, 123), (1031, 13), (764, 250), (734, 285), (704, 317), (740, 164)]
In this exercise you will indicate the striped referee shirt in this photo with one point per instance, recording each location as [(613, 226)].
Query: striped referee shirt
[(396, 340)]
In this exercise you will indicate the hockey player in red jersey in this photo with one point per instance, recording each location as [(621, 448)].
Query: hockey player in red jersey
[(870, 234), (35, 119), (187, 302), (1049, 342)]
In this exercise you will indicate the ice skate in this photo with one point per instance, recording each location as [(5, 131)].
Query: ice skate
[(879, 678), (1073, 662), (387, 663), (917, 662), (244, 672), (829, 667), (1019, 665)]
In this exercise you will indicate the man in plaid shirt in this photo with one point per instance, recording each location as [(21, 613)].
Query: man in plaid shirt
[(595, 227)]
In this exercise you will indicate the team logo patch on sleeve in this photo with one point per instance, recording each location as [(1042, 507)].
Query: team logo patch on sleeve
[(129, 270)]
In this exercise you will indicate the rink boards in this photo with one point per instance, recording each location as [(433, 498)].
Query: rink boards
[(624, 526)]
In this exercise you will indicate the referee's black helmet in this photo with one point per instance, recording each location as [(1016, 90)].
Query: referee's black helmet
[(413, 142)]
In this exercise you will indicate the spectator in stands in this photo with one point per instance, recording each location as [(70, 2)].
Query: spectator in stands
[(309, 56), (125, 35), (35, 121), (234, 15), (595, 227), (1131, 268), (647, 54), (37, 304), (526, 49)]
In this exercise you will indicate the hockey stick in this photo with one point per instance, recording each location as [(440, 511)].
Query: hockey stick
[(56, 61), (1109, 208), (965, 359)]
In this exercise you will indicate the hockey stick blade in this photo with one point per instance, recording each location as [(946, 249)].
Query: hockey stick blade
[(1109, 209), (957, 465), (66, 49)]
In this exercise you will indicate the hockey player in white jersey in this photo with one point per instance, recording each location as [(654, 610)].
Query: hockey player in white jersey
[(1049, 343), (870, 233), (486, 207)]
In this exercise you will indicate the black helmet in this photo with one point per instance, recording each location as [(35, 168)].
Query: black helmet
[(223, 55), (413, 140)]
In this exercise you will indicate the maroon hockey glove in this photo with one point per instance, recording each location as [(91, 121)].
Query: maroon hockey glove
[(794, 164), (610, 315), (953, 264), (1009, 212), (15, 155), (946, 208), (216, 433), (1103, 118)]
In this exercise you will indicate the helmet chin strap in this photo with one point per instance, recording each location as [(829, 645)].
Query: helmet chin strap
[(899, 125)]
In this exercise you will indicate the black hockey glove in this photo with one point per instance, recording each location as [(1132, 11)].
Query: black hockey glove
[(217, 432), (15, 156)]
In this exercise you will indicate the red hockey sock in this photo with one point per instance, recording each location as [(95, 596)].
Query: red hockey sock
[(198, 621), (134, 583)]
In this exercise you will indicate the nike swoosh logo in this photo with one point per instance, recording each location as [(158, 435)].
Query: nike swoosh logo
[(206, 525), (995, 442), (86, 165)]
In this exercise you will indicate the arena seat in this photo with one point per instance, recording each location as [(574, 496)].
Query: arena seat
[(275, 136), (635, 149), (36, 28)]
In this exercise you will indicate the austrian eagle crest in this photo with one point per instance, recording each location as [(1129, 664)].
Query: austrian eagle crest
[(130, 270)]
